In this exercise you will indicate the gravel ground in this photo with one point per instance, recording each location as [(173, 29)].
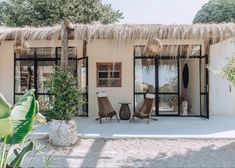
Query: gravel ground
[(140, 153)]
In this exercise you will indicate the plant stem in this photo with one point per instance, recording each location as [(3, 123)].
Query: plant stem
[(6, 156), (3, 153), (32, 159)]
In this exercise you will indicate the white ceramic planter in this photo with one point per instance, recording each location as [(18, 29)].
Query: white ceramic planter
[(62, 133)]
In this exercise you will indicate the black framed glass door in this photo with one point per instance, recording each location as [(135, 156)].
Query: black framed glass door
[(145, 81), (163, 77), (204, 87), (168, 86)]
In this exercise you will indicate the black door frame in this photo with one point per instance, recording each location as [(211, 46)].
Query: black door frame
[(205, 91), (156, 60)]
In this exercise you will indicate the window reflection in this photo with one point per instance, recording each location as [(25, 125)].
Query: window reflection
[(24, 77), (144, 75), (168, 76)]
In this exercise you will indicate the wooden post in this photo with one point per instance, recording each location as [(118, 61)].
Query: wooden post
[(64, 46), (65, 27), (84, 48)]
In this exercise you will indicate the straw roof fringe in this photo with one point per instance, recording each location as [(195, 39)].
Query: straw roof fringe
[(214, 32)]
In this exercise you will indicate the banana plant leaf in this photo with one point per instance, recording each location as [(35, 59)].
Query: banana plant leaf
[(22, 118), (5, 107), (5, 127), (5, 110), (20, 156)]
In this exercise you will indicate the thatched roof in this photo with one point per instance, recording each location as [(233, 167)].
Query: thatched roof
[(208, 32)]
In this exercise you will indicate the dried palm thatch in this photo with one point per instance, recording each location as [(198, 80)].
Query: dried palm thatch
[(211, 33), (153, 47), (214, 32)]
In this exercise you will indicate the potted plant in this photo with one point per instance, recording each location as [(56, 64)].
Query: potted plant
[(66, 100)]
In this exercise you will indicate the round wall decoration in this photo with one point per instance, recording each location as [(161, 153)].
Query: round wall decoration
[(185, 76)]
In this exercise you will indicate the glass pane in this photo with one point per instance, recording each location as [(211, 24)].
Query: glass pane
[(168, 104), (168, 76), (139, 51), (102, 67), (83, 110), (103, 83), (72, 52), (144, 75), (45, 69), (29, 53), (72, 66), (115, 83), (204, 105), (44, 104), (24, 77), (103, 74), (115, 74), (115, 67), (17, 97), (203, 76), (139, 99), (82, 74), (45, 52)]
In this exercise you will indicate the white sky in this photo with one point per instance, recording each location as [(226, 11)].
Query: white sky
[(157, 11)]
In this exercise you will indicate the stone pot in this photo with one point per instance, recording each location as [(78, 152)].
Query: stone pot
[(62, 133)]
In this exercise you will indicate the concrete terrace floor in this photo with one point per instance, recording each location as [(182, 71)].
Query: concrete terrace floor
[(216, 127)]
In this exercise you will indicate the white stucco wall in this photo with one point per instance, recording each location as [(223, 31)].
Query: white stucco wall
[(108, 51), (7, 70), (221, 98), (192, 92), (97, 51)]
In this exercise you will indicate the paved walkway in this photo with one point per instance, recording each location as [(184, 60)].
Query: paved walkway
[(216, 127)]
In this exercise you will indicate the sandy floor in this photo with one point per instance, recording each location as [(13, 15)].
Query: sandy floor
[(141, 153)]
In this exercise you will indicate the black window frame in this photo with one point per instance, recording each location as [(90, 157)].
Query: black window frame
[(55, 59)]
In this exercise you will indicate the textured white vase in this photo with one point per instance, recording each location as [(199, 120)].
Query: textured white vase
[(62, 133)]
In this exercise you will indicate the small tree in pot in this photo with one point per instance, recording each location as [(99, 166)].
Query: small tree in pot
[(65, 102)]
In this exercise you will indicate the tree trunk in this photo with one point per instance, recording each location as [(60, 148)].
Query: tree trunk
[(64, 46)]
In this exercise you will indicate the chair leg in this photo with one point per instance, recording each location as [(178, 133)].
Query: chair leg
[(148, 121), (100, 120), (117, 117), (132, 119)]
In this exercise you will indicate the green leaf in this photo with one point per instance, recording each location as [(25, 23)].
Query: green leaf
[(40, 118), (18, 159), (22, 118), (5, 107), (5, 128)]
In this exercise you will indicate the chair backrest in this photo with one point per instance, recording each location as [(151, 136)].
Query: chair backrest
[(104, 104), (147, 104)]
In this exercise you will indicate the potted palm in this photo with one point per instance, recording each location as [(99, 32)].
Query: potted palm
[(65, 102)]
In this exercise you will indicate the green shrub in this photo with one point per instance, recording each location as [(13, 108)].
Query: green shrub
[(227, 71), (67, 98)]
